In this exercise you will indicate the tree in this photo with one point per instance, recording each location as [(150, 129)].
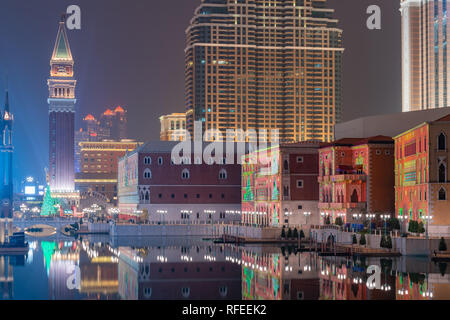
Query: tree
[(49, 204), (421, 227), (295, 233), (302, 234), (327, 221), (354, 239), (339, 222), (289, 233), (283, 233), (413, 226), (442, 245), (383, 242), (362, 239), (389, 242), (394, 224)]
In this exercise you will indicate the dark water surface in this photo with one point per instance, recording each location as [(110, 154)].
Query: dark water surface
[(192, 269)]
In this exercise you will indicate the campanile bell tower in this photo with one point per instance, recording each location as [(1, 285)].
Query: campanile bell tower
[(61, 100)]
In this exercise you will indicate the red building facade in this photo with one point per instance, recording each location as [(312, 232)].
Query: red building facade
[(279, 185), (191, 192), (356, 178)]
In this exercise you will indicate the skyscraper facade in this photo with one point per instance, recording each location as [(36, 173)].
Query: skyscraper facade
[(425, 68), (259, 64), (61, 85)]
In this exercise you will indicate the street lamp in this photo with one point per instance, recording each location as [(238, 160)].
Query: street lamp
[(163, 214), (307, 214), (370, 216), (403, 219), (427, 218), (385, 217)]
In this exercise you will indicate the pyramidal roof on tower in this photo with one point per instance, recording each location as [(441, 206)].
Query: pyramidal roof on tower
[(62, 52)]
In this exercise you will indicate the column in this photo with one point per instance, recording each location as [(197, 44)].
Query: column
[(2, 230)]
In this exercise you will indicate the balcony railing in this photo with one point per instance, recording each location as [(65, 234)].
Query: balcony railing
[(344, 205), (342, 177)]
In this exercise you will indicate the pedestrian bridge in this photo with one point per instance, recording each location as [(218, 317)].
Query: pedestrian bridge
[(56, 223)]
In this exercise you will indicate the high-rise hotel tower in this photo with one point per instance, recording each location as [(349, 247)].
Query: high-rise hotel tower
[(61, 102), (425, 57), (265, 64)]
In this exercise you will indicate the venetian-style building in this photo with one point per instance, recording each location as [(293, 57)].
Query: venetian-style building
[(356, 176), (422, 186), (173, 127), (425, 57), (258, 64)]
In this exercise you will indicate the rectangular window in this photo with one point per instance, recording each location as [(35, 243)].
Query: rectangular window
[(299, 159), (299, 183)]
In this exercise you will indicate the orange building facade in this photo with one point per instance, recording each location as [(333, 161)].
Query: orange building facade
[(99, 166), (356, 176), (421, 175)]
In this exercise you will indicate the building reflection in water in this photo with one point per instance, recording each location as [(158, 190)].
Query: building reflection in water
[(202, 270), (199, 272)]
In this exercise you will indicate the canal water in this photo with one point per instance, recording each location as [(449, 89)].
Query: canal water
[(193, 269)]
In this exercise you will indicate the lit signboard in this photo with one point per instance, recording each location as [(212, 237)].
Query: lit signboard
[(30, 190)]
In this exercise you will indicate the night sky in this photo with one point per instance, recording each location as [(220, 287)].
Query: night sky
[(131, 53)]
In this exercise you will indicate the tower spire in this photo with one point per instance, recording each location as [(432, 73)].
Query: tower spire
[(61, 51)]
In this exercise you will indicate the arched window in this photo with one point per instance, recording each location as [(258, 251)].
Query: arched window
[(442, 143), (142, 195), (354, 198), (185, 174), (222, 174), (442, 173), (286, 165), (147, 174), (147, 195), (160, 161), (442, 194), (186, 292), (147, 160)]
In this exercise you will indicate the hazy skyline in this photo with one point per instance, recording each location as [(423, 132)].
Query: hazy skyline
[(131, 53)]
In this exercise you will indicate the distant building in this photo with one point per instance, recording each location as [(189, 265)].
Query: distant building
[(356, 176), (173, 127), (422, 184), (264, 65), (99, 166), (113, 124), (425, 56), (279, 186), (199, 190)]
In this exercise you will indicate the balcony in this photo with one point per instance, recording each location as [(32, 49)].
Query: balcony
[(342, 206), (342, 178)]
